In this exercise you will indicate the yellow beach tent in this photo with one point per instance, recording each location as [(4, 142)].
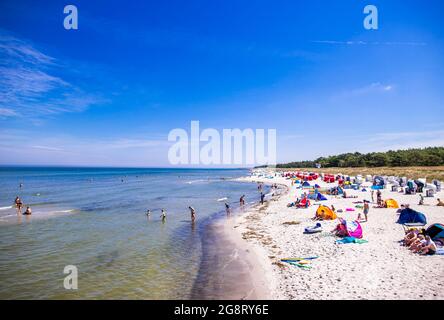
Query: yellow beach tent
[(391, 203)]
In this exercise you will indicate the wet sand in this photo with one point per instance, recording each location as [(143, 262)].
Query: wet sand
[(230, 268)]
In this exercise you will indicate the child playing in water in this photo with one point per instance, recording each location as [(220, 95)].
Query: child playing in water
[(28, 211)]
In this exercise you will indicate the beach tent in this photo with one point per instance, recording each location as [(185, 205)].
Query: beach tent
[(436, 231), (306, 184), (430, 186), (391, 203), (420, 185), (349, 229), (304, 203), (320, 197), (378, 181), (317, 186), (325, 213), (437, 184), (408, 215)]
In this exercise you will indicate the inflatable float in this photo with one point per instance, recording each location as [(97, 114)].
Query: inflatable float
[(313, 229)]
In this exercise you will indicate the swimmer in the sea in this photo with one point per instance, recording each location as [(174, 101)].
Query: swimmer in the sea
[(27, 212), (163, 215), (193, 213), (18, 204), (227, 208)]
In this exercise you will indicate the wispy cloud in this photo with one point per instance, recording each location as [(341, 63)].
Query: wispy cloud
[(29, 86), (39, 148), (372, 88), (4, 113), (46, 148), (374, 43)]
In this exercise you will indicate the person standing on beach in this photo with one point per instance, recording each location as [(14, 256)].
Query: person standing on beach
[(262, 197), (421, 200), (18, 204), (193, 213), (379, 197), (242, 201), (366, 211), (163, 215), (372, 194), (227, 209)]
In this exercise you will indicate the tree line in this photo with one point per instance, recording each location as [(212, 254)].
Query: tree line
[(431, 156)]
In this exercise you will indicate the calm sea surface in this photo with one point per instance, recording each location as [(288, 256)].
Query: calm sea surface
[(94, 219)]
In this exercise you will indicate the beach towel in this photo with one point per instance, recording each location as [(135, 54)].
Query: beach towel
[(351, 240), (300, 262)]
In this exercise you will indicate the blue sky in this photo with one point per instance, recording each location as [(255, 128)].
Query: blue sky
[(110, 92)]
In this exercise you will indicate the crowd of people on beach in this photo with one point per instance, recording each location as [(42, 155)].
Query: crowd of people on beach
[(416, 238)]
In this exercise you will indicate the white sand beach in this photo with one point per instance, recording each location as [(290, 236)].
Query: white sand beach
[(379, 269)]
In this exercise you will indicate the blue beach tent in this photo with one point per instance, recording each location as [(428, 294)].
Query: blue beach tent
[(320, 197), (411, 216), (306, 184)]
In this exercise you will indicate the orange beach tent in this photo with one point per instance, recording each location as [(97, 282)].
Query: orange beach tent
[(325, 213)]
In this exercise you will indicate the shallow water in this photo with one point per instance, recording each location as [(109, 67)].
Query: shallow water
[(94, 219)]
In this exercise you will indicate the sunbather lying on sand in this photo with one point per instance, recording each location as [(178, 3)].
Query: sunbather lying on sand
[(417, 244), (344, 195), (411, 236), (380, 205), (294, 204), (440, 203), (428, 247)]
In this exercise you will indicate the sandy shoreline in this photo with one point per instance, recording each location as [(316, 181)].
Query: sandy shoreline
[(379, 269)]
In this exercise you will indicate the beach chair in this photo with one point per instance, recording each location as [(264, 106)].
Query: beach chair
[(413, 225)]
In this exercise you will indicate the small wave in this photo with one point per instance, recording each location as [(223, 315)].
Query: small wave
[(65, 211), (194, 181), (222, 199), (9, 215), (5, 208)]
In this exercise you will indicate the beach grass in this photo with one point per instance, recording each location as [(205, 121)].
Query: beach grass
[(430, 173)]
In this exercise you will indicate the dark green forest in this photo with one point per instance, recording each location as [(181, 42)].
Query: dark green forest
[(432, 156)]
